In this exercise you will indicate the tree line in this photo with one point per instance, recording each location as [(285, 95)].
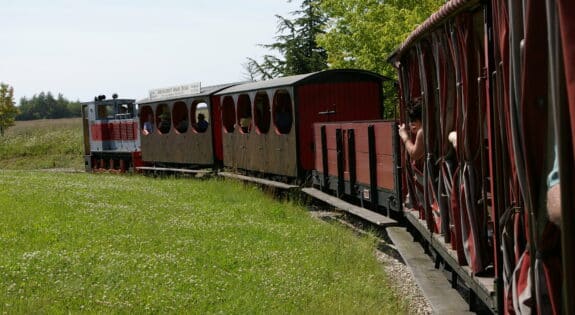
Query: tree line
[(46, 106), (40, 106)]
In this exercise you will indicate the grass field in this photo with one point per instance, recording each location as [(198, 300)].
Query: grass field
[(76, 242), (39, 144), (99, 243)]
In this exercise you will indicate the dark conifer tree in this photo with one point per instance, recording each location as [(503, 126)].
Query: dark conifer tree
[(296, 44)]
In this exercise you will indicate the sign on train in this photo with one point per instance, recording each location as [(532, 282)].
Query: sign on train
[(179, 90)]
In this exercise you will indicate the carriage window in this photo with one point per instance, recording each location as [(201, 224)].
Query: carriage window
[(163, 119), (244, 113), (200, 116), (228, 114), (282, 111), (180, 117), (262, 115), (147, 120)]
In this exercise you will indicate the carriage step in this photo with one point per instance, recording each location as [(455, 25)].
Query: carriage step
[(363, 213), (257, 180)]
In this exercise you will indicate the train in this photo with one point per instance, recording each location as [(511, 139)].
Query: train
[(497, 75), (261, 127)]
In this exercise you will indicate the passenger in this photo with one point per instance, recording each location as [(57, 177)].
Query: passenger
[(453, 138), (164, 125), (148, 125), (245, 124), (202, 125), (182, 126), (554, 193), (415, 149), (124, 112)]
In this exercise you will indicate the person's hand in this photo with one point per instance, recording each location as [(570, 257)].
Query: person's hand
[(403, 132), (453, 138)]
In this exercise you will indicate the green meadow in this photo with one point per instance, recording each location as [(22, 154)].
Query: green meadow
[(40, 144), (130, 244)]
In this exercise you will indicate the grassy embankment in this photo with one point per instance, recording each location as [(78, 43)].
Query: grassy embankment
[(40, 144), (129, 244), (76, 242)]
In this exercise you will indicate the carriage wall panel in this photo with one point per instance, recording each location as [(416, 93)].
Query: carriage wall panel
[(331, 102)]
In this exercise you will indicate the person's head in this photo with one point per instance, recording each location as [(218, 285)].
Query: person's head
[(201, 117), (414, 114), (150, 118)]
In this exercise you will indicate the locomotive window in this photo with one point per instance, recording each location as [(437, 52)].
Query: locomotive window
[(147, 120), (282, 111), (105, 111), (262, 114), (228, 114), (125, 111), (180, 117), (244, 113), (200, 115), (163, 119)]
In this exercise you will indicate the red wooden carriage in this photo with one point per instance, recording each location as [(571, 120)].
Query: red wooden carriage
[(267, 126), (357, 159), (495, 73)]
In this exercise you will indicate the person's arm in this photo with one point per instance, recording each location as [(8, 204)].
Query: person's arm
[(554, 193), (415, 150), (554, 204)]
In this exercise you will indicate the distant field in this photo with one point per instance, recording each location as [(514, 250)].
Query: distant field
[(97, 243), (39, 144)]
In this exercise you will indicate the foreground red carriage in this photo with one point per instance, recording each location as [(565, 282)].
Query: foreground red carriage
[(500, 75)]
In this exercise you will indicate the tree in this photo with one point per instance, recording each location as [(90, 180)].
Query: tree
[(296, 43), (363, 33), (45, 106), (8, 110)]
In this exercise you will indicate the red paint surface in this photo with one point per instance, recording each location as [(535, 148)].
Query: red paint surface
[(111, 131), (383, 147), (349, 101)]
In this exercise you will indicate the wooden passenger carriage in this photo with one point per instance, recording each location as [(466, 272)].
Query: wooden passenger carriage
[(268, 126), (176, 138)]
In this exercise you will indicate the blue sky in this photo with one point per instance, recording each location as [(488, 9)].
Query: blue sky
[(82, 48)]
